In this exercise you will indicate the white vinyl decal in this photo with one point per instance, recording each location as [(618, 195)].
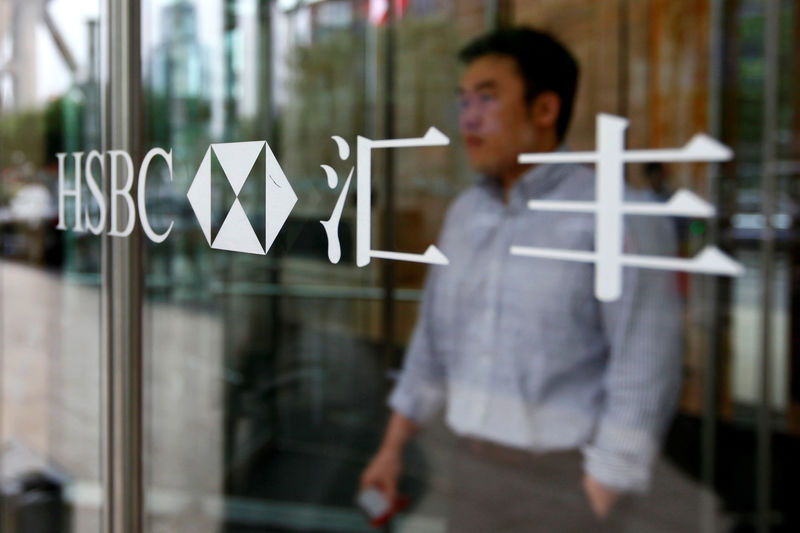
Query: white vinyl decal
[(610, 208), (363, 170), (364, 148), (236, 234)]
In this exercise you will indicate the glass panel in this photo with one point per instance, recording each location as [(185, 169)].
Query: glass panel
[(49, 279), (274, 336)]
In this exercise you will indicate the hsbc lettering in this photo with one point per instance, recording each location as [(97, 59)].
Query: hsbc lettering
[(120, 224)]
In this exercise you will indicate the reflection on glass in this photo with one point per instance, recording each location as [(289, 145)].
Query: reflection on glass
[(268, 374), (49, 280)]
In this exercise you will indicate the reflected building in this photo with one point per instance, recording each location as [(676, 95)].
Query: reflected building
[(178, 81)]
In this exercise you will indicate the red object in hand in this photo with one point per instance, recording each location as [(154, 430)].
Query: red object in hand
[(374, 504)]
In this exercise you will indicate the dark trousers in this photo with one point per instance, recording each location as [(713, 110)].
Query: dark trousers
[(503, 490)]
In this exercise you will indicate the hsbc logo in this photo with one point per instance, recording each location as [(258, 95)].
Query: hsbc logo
[(236, 233), (236, 159)]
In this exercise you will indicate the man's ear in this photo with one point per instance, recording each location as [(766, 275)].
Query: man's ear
[(545, 109)]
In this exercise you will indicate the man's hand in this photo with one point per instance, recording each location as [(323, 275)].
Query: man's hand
[(601, 497), (384, 469), (383, 473)]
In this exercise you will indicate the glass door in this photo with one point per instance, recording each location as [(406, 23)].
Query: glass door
[(50, 280), (268, 262)]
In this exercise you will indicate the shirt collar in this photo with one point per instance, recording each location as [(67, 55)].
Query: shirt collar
[(534, 183)]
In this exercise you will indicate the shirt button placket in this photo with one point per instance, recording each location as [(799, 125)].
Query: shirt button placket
[(489, 354)]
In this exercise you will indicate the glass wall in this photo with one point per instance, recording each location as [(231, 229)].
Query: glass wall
[(50, 319), (272, 335)]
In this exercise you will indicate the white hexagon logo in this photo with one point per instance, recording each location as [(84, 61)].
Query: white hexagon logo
[(237, 160)]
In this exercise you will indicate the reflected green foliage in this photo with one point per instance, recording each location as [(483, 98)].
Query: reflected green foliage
[(330, 88), (30, 139), (328, 97), (751, 70), (21, 134)]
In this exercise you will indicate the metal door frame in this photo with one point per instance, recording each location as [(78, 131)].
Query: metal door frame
[(122, 281)]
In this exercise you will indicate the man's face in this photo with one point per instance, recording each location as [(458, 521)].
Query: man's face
[(495, 121)]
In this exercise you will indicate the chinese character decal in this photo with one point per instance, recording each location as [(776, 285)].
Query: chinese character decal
[(332, 224), (363, 171), (610, 208)]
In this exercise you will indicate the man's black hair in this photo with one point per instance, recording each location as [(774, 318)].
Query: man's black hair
[(544, 63)]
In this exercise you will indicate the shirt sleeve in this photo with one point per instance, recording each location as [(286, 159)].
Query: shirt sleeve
[(643, 373), (419, 392)]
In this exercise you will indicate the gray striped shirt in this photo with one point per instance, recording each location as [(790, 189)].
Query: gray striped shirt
[(523, 352)]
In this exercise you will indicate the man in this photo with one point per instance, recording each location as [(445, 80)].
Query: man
[(541, 380)]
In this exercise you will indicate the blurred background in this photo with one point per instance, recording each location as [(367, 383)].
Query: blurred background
[(265, 377)]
